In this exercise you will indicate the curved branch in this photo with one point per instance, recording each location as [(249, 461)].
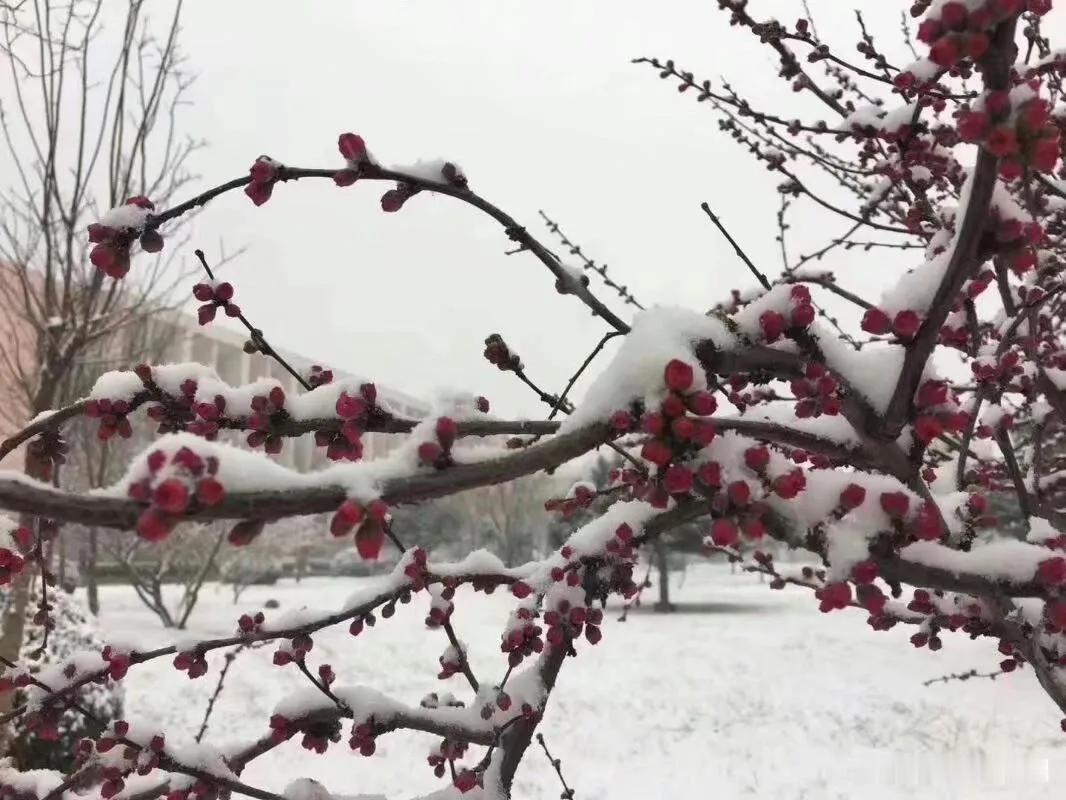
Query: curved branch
[(369, 171)]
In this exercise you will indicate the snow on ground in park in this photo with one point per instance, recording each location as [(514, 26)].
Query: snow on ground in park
[(762, 698)]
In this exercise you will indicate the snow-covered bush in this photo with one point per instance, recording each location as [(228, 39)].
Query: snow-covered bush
[(873, 446), (75, 631)]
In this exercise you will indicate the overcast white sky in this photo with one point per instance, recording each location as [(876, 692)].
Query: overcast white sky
[(538, 102)]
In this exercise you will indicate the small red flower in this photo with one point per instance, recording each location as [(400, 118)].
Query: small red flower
[(370, 538), (724, 532), (876, 321), (772, 324), (944, 52), (906, 324), (972, 126), (678, 376), (153, 526), (895, 504), (757, 458), (657, 452), (1002, 141), (803, 315), (171, 496), (210, 491), (678, 480), (1052, 571), (702, 404), (351, 146)]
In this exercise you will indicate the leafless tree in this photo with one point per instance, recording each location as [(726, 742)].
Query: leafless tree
[(957, 158), (85, 122), (185, 561)]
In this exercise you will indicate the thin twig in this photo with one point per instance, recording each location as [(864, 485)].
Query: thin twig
[(736, 247), (230, 657), (568, 793), (257, 334), (599, 269), (964, 676), (584, 365), (464, 662)]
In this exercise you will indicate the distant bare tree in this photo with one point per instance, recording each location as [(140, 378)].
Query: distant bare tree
[(85, 123), (187, 559), (509, 519)]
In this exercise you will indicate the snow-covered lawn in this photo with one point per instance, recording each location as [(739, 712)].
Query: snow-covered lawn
[(763, 697)]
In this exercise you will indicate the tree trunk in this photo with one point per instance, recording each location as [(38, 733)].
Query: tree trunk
[(662, 563), (92, 587), (61, 568), (14, 623)]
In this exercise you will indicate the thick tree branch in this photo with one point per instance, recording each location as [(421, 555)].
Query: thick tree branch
[(964, 257)]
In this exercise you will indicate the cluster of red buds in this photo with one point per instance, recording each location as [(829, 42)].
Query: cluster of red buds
[(439, 453), (247, 623), (955, 332), (999, 371), (264, 173), (267, 410), (677, 428), (1021, 134), (370, 524), (215, 296), (353, 148), (191, 482), (363, 738), (503, 702), (44, 453), (448, 751), (786, 486), (962, 32), (774, 324), (567, 621), (192, 663), (817, 392), (172, 412), (523, 637), (922, 523), (498, 353), (937, 412), (294, 651), (12, 562), (111, 254), (905, 324), (347, 443), (319, 376), (113, 416), (417, 570)]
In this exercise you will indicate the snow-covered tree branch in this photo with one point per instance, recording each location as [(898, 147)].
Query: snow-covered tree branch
[(879, 448)]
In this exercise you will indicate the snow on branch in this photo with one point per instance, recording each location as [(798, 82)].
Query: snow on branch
[(925, 496)]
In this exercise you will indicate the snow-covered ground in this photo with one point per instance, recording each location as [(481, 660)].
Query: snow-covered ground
[(760, 696)]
